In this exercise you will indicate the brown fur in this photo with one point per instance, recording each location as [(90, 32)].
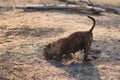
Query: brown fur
[(80, 40)]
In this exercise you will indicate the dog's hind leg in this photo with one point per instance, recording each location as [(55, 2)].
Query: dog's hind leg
[(86, 48)]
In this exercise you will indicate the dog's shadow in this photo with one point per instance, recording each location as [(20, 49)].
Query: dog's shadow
[(80, 71)]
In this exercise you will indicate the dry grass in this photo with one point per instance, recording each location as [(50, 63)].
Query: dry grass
[(24, 34), (108, 2)]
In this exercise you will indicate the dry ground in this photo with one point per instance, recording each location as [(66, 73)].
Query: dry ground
[(24, 34)]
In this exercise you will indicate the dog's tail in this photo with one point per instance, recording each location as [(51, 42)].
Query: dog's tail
[(94, 22)]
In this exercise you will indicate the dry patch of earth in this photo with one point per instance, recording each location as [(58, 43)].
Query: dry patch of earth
[(24, 34)]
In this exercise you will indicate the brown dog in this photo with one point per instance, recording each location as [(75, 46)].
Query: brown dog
[(80, 40)]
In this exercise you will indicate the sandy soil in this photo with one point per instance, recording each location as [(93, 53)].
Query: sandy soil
[(24, 34)]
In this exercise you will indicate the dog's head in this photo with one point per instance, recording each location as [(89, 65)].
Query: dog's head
[(48, 50)]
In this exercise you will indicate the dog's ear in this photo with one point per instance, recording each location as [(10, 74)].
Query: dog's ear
[(52, 45), (49, 45), (45, 45)]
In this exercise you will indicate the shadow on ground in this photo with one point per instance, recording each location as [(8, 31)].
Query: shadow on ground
[(83, 71), (34, 32), (65, 12)]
